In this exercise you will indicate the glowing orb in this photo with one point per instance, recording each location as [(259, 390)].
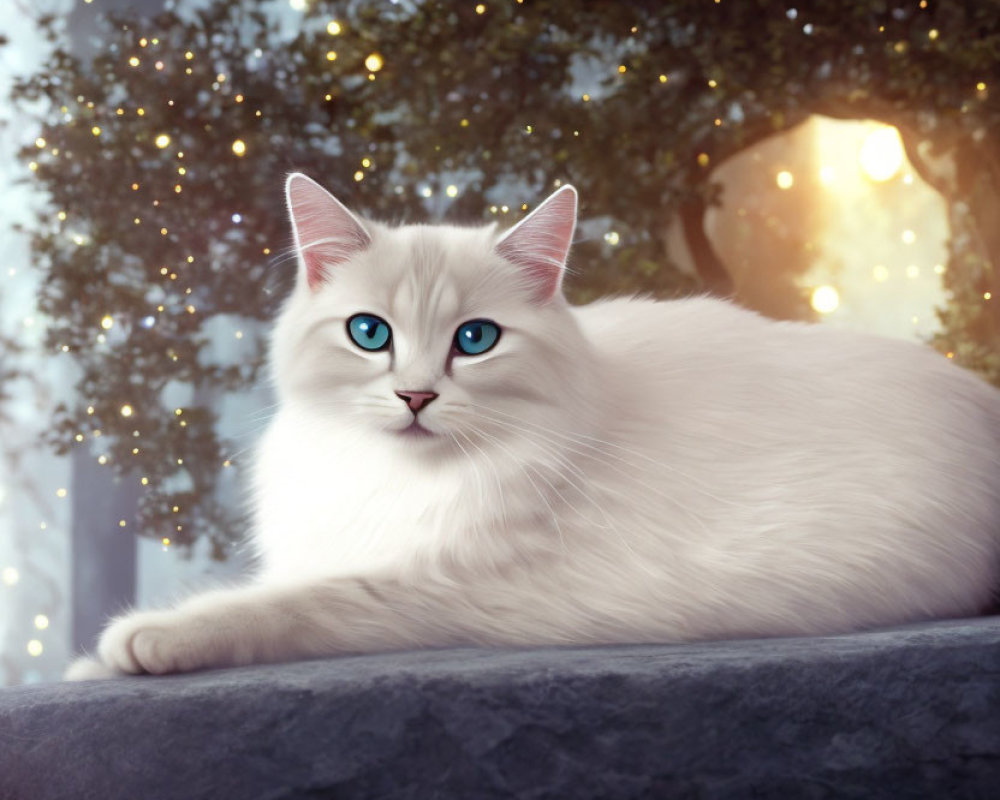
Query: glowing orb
[(881, 155), (825, 299)]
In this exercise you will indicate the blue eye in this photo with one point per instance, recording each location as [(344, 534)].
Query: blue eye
[(476, 336), (369, 332)]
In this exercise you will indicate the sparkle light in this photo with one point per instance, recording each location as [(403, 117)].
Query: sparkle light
[(481, 9), (127, 410), (374, 62), (784, 179), (825, 299), (162, 141), (612, 238), (452, 190), (41, 622), (10, 576), (881, 155), (35, 648), (331, 55), (908, 237), (107, 322), (239, 147), (333, 27)]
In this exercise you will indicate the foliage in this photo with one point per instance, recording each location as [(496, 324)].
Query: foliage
[(487, 98)]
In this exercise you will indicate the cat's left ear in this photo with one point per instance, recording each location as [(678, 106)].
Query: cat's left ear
[(540, 242), (326, 233)]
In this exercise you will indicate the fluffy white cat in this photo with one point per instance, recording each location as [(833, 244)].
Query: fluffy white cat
[(461, 457)]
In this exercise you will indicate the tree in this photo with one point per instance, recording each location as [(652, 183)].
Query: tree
[(164, 157)]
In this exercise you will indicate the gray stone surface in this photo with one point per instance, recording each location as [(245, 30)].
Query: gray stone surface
[(910, 712)]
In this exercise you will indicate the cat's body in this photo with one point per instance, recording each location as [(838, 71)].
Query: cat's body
[(625, 471)]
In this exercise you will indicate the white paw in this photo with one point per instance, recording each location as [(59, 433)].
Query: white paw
[(155, 642), (89, 669)]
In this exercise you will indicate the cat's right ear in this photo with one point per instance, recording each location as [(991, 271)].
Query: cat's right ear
[(326, 233), (539, 244)]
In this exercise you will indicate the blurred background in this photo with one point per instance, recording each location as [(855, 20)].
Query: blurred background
[(836, 162)]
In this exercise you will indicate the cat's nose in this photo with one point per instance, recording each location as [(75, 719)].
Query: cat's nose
[(416, 400)]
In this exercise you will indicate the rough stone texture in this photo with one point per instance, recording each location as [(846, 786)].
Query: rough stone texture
[(904, 713)]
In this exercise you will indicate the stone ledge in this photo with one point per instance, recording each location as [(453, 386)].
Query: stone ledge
[(903, 713)]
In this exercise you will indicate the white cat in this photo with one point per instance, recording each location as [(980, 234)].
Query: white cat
[(460, 457)]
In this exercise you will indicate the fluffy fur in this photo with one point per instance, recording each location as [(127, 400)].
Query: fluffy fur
[(626, 471)]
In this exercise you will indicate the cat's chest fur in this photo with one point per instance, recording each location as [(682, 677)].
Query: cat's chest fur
[(329, 502)]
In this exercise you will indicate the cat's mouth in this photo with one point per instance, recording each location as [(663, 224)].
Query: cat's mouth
[(416, 431)]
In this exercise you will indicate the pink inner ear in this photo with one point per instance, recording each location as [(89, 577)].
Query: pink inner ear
[(540, 242), (326, 233)]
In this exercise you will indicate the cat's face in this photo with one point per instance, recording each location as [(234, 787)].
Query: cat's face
[(430, 336)]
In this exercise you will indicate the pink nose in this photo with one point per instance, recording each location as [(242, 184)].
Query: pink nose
[(416, 400)]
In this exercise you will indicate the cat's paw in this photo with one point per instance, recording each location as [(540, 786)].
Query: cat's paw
[(86, 668), (154, 642)]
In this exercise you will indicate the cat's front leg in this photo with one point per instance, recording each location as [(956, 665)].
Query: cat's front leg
[(159, 642), (223, 628)]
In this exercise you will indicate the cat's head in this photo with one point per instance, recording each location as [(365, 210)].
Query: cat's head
[(431, 336)]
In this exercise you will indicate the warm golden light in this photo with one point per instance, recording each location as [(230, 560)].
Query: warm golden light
[(333, 27), (127, 410), (881, 155), (374, 62), (107, 322), (35, 648), (825, 299), (162, 141), (41, 622), (239, 147), (784, 179)]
